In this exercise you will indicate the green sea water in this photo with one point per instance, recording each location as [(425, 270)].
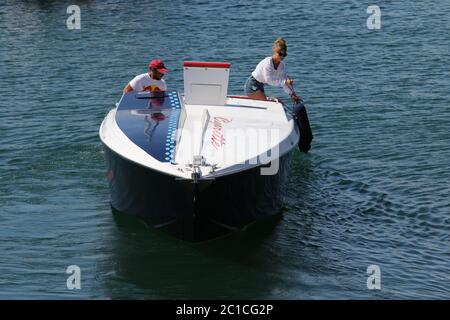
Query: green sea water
[(374, 190)]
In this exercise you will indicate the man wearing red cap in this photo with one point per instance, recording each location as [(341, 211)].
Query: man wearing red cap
[(150, 81)]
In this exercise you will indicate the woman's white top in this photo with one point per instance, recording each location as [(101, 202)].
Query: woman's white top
[(265, 72)]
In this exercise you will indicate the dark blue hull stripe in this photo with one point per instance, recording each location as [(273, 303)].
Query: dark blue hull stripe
[(151, 122), (192, 211)]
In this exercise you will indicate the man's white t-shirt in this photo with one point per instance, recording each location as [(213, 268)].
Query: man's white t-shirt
[(144, 82)]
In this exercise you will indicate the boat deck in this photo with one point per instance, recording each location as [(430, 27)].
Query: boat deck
[(166, 134)]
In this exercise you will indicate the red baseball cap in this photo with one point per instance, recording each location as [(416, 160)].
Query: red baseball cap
[(158, 65)]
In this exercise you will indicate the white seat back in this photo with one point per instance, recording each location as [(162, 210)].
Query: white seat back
[(206, 83)]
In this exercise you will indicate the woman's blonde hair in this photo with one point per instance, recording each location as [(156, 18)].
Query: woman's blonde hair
[(279, 46)]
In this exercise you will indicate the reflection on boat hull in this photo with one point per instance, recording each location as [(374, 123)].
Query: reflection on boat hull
[(195, 212)]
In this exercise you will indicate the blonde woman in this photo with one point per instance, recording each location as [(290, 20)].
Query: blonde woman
[(272, 71)]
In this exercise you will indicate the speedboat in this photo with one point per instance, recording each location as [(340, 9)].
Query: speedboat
[(200, 163)]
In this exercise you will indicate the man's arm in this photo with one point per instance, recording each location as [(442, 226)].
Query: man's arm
[(128, 88)]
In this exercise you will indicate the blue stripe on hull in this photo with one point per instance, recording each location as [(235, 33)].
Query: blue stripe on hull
[(150, 122), (191, 211)]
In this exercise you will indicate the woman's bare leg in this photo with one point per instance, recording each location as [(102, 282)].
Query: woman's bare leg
[(258, 95)]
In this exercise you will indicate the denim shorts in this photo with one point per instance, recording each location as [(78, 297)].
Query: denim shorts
[(253, 85)]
